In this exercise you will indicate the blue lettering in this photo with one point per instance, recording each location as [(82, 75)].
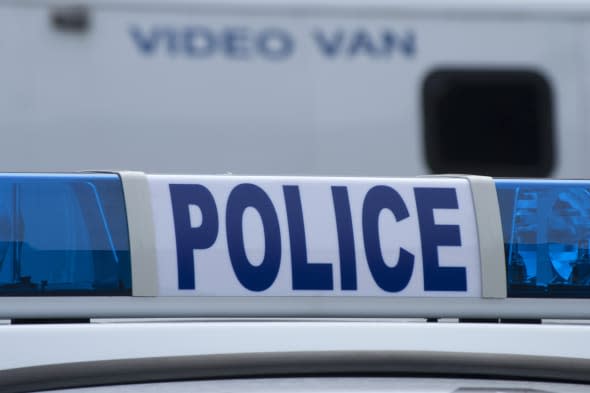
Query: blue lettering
[(389, 42), (345, 237), (306, 275), (270, 43), (275, 44), (236, 43), (329, 46), (390, 279), (361, 42), (145, 43), (437, 278), (199, 42), (172, 40), (254, 278), (408, 44), (189, 238)]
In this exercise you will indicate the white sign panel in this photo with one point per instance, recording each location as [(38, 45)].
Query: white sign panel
[(297, 236)]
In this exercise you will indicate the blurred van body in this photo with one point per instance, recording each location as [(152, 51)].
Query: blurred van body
[(395, 88)]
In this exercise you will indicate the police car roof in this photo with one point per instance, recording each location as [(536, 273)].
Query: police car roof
[(128, 245)]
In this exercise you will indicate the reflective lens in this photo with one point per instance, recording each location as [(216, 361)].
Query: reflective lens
[(546, 228), (62, 235)]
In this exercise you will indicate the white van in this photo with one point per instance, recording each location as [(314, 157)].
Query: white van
[(296, 87)]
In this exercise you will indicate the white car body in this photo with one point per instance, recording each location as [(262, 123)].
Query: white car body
[(119, 339), (212, 278)]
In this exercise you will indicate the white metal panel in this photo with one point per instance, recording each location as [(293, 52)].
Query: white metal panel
[(49, 344), (94, 100), (342, 385)]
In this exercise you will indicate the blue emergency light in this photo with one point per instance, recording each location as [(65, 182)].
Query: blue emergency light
[(63, 235), (130, 244), (546, 229)]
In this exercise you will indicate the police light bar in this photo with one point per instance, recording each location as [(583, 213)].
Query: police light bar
[(134, 245)]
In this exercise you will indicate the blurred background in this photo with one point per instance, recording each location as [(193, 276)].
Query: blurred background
[(323, 87)]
